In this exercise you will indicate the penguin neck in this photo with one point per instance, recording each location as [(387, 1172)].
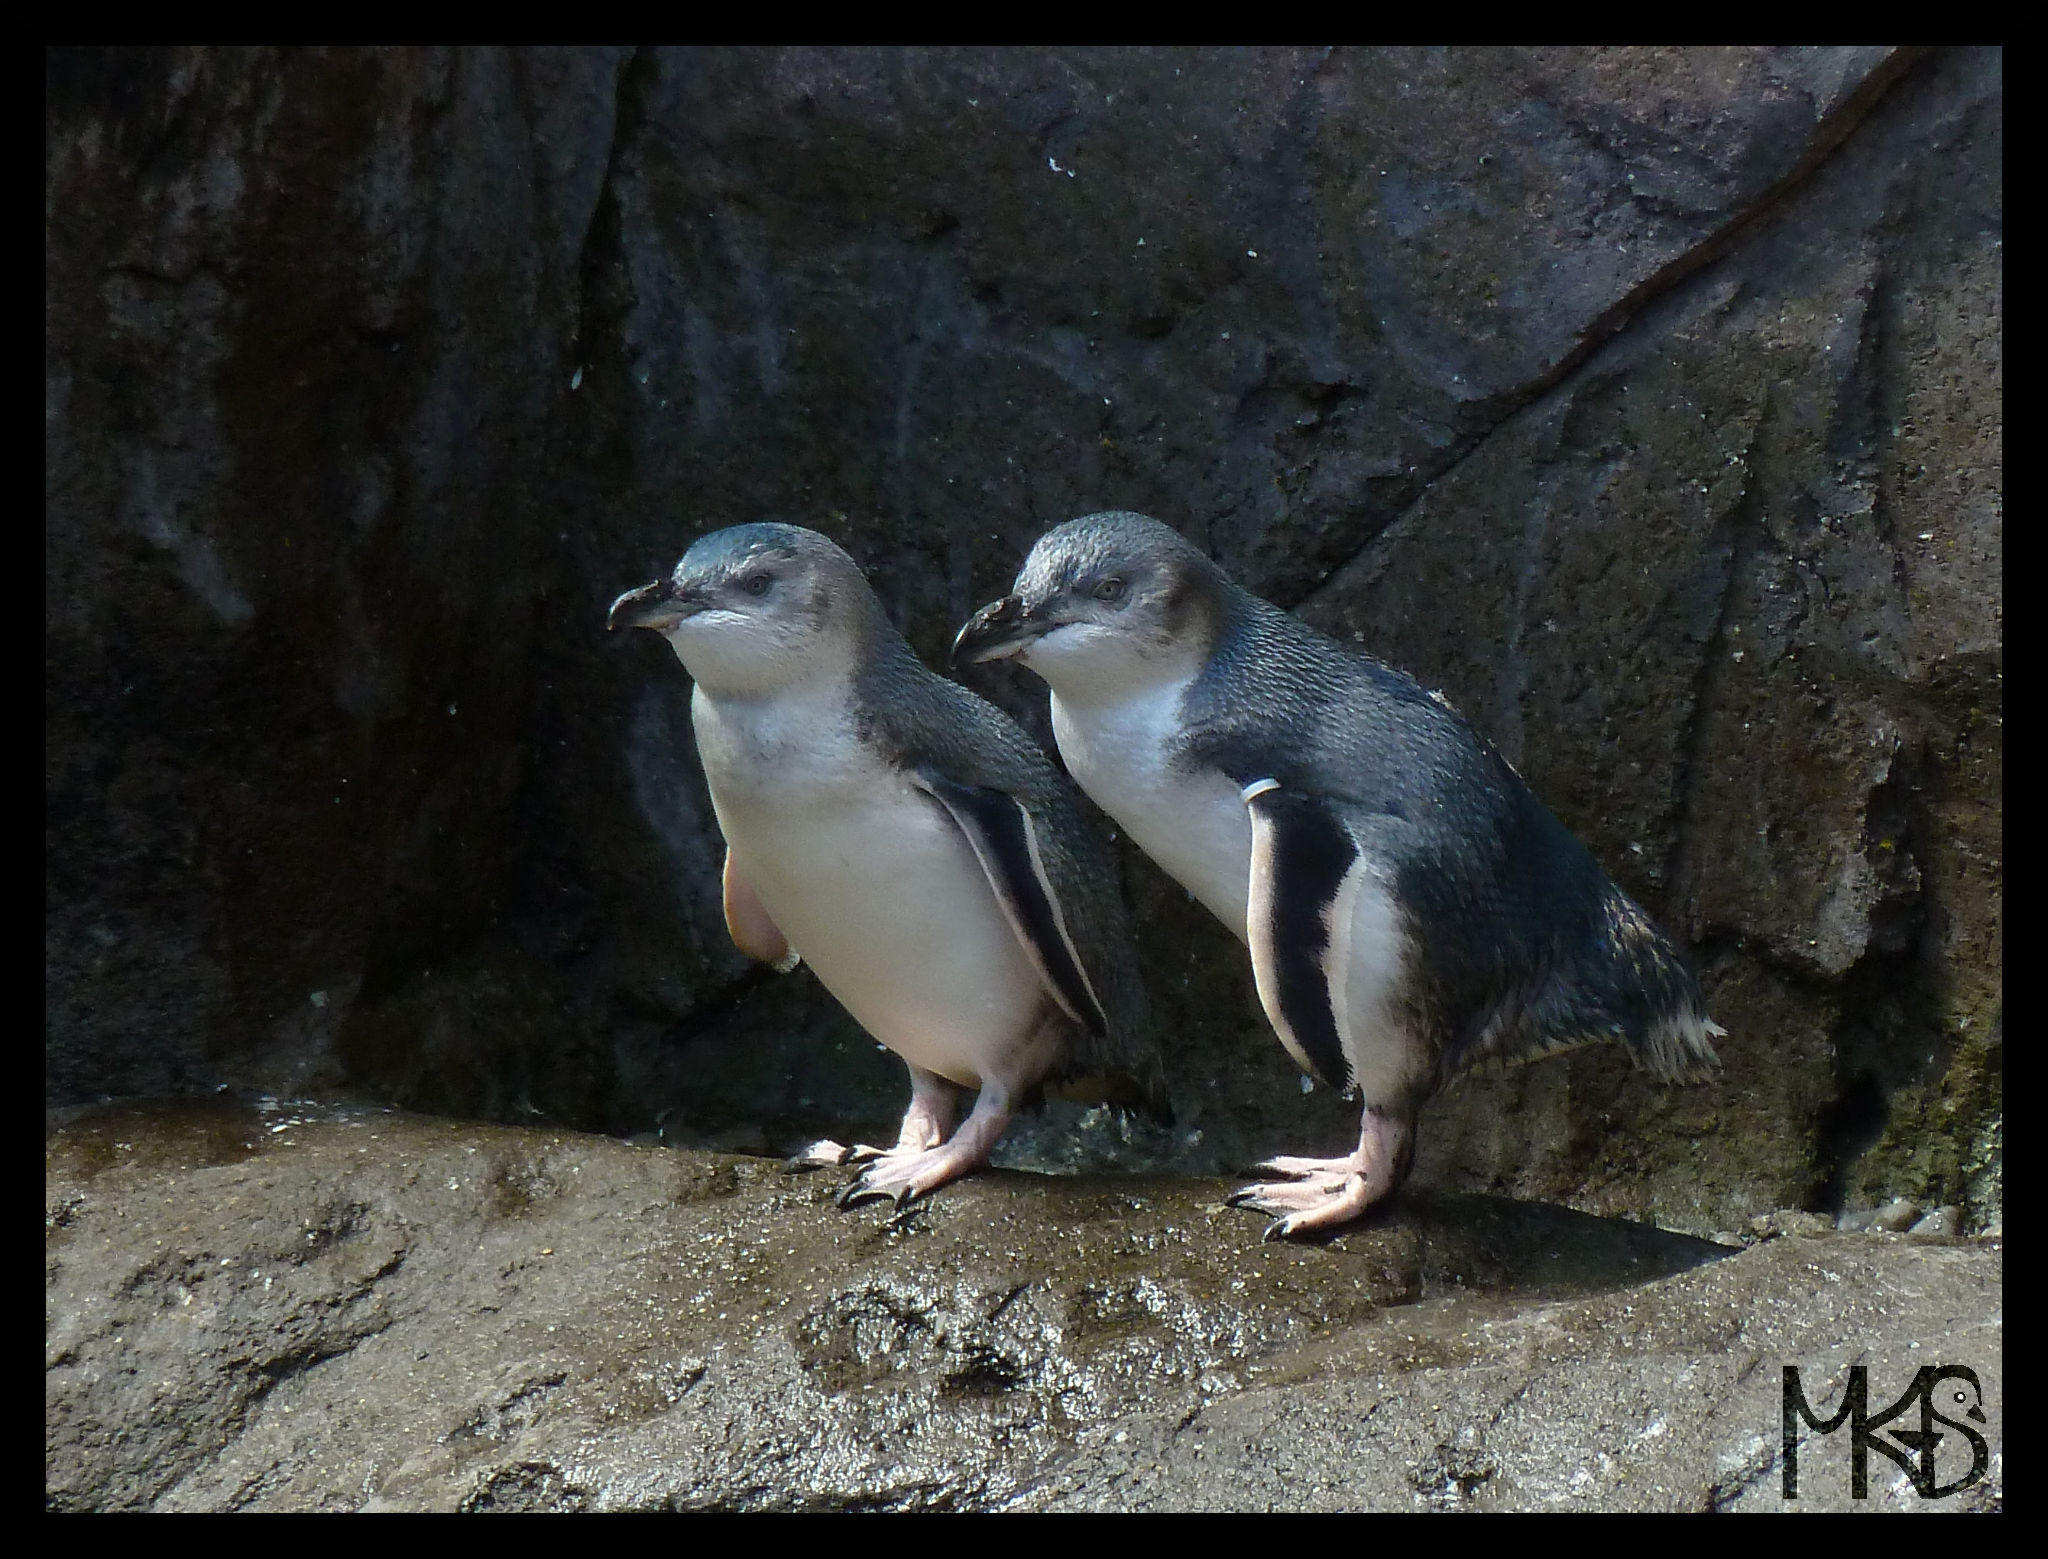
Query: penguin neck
[(1123, 738), (1118, 677), (815, 679), (789, 739)]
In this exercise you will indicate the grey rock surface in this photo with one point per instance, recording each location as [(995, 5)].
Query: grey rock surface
[(290, 1307), (1647, 401)]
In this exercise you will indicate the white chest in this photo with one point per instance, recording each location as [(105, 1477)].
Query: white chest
[(870, 880), (1193, 824)]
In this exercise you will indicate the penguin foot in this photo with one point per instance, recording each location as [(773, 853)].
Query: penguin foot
[(1313, 1203), (924, 1128), (902, 1175), (1301, 1168), (1321, 1193), (1304, 1194), (911, 1170)]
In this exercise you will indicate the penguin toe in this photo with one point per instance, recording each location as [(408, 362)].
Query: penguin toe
[(863, 1190), (898, 1192), (822, 1154), (1288, 1168), (1316, 1204), (903, 1175), (1288, 1196)]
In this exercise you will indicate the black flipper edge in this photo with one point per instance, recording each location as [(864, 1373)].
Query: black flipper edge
[(1005, 841), (1301, 856)]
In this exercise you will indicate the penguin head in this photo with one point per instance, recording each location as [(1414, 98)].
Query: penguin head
[(1107, 603), (755, 608)]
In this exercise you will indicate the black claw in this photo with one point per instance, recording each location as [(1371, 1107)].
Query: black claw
[(1276, 1230), (865, 1190)]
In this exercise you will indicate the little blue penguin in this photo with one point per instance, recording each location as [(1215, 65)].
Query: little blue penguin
[(1410, 906), (905, 839)]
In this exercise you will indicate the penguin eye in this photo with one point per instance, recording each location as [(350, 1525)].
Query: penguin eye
[(757, 584), (1110, 589)]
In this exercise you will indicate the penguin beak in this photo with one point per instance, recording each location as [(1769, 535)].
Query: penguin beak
[(1000, 629), (660, 606)]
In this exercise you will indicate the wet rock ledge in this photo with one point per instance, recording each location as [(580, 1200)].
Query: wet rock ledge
[(279, 1308)]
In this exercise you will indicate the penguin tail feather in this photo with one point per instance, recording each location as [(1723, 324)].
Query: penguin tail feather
[(1680, 1046), (1626, 981), (1646, 984)]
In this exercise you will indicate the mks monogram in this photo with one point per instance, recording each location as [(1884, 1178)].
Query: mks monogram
[(1951, 1385)]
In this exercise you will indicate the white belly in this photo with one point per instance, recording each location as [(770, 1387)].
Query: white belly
[(872, 882), (1194, 825)]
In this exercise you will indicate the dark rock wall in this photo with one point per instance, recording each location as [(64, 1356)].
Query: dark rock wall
[(1647, 401)]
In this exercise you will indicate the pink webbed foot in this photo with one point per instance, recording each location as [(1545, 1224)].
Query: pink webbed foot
[(1319, 1194), (904, 1176), (933, 1104), (911, 1170)]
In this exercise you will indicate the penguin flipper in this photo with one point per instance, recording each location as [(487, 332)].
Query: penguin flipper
[(1302, 857), (1005, 841), (752, 928)]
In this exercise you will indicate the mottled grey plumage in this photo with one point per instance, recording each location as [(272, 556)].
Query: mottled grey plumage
[(906, 839), (1411, 907)]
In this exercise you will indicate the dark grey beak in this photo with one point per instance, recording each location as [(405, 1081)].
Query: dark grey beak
[(999, 629), (659, 606)]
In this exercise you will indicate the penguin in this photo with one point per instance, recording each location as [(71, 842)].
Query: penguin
[(1410, 907), (906, 840)]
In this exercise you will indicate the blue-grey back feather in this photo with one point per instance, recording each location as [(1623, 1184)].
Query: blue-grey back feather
[(1524, 945)]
